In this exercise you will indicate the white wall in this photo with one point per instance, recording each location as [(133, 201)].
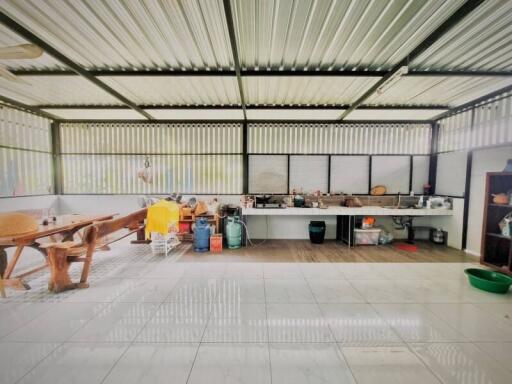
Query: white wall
[(484, 160), (28, 202), (121, 204)]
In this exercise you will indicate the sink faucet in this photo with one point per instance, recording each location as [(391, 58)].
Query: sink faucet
[(399, 198)]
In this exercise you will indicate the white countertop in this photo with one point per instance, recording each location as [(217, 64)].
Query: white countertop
[(345, 211)]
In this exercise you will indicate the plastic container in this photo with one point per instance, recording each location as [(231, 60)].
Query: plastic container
[(366, 236), (216, 243), (489, 281), (317, 232), (163, 244)]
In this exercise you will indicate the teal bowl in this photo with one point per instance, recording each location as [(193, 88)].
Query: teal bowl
[(489, 281)]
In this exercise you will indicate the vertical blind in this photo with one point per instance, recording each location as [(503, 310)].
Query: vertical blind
[(25, 154), (485, 125), (105, 158), (340, 138)]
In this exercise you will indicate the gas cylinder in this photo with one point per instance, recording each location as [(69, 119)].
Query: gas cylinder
[(234, 232), (201, 235)]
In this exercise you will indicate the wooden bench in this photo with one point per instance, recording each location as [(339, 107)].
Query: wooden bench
[(95, 236)]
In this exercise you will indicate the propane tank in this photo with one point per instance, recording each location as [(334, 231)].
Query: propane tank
[(201, 235), (234, 232)]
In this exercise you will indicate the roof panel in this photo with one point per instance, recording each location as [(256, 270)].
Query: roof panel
[(294, 114), (9, 38), (177, 90), (334, 34), (95, 114), (435, 90), (135, 34), (196, 114), (64, 90), (394, 114), (268, 90), (481, 41)]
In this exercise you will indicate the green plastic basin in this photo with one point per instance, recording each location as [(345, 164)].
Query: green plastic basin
[(489, 281)]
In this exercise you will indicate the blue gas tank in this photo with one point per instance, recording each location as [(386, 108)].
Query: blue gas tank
[(201, 235)]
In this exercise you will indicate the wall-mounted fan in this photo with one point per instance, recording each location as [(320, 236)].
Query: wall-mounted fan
[(17, 52)]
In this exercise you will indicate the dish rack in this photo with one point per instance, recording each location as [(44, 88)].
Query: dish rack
[(163, 244)]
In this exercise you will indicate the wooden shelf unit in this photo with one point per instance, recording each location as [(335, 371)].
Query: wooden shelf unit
[(496, 249)]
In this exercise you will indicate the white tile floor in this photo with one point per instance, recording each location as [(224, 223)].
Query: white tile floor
[(151, 319)]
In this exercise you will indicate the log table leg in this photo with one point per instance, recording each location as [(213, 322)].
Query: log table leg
[(59, 271), (3, 266)]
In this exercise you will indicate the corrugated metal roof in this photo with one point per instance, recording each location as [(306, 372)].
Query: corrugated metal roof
[(177, 90), (334, 34), (68, 90), (94, 114), (481, 41), (434, 90), (9, 38), (394, 114), (294, 114), (305, 90), (130, 33)]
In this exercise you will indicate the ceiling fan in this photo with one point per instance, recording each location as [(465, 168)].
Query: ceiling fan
[(17, 52)]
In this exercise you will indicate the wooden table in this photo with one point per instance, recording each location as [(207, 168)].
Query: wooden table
[(65, 226)]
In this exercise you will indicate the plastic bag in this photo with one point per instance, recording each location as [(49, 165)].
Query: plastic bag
[(504, 225)]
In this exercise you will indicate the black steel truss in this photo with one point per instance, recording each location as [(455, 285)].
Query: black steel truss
[(27, 108), (234, 51), (247, 107), (257, 73)]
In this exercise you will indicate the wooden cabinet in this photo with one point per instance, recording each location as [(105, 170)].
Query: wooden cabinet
[(496, 249)]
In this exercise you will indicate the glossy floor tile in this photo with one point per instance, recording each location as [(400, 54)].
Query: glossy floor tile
[(358, 324), (501, 352), (334, 291), (17, 359), (154, 364), (297, 323), (308, 364), (415, 323), (118, 322), (387, 365), (155, 319), (288, 291), (461, 363), (76, 363), (176, 322), (231, 364), (474, 323), (58, 324)]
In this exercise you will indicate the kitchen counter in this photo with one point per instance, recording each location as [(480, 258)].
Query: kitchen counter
[(345, 211)]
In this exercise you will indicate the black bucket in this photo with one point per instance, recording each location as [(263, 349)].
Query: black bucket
[(317, 232)]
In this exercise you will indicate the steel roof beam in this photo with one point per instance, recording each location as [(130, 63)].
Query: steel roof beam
[(234, 51), (257, 73), (29, 36), (464, 10), (248, 107), (486, 99), (27, 108)]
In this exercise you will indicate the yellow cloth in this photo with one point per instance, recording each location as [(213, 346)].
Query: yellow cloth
[(161, 216)]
